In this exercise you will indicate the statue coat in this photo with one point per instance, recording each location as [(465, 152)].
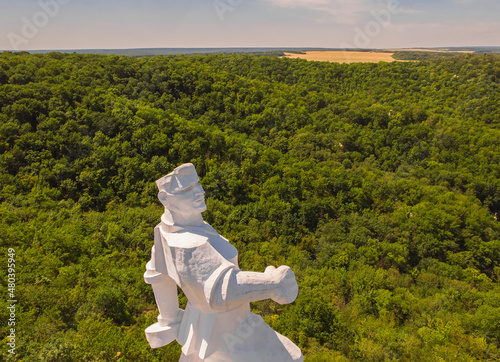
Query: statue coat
[(201, 262)]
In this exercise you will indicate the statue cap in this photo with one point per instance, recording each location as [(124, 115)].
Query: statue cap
[(180, 178)]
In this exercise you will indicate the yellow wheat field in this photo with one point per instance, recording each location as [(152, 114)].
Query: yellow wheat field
[(338, 56)]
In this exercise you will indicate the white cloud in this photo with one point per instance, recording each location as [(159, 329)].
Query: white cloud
[(412, 11), (464, 2), (299, 3), (339, 11), (447, 33)]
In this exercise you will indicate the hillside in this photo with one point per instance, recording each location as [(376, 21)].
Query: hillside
[(379, 184)]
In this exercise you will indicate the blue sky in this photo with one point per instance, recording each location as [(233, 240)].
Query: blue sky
[(105, 24)]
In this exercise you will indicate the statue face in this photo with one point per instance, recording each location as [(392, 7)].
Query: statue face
[(188, 201)]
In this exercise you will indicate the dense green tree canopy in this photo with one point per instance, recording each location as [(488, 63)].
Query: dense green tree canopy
[(379, 184)]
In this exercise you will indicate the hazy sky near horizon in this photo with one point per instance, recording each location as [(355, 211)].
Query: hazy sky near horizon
[(115, 24)]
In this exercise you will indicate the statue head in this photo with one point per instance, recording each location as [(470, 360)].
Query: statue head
[(180, 191)]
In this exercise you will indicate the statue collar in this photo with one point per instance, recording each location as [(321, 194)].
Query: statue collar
[(204, 228)]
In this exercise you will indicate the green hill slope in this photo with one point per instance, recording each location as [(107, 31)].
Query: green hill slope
[(377, 183)]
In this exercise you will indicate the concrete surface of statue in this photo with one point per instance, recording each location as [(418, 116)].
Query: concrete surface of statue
[(217, 324)]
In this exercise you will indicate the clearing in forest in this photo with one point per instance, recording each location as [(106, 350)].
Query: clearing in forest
[(340, 56)]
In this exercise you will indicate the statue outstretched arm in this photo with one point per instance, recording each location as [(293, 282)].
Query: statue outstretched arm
[(238, 287)]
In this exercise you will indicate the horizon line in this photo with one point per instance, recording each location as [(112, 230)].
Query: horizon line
[(247, 47)]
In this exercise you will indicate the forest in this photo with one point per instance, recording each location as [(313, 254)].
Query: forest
[(378, 184)]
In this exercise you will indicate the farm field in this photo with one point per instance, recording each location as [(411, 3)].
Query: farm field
[(338, 56)]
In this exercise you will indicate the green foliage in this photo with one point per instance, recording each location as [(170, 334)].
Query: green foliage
[(378, 183), (422, 55)]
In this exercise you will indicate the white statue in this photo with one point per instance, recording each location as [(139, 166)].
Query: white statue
[(217, 324)]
